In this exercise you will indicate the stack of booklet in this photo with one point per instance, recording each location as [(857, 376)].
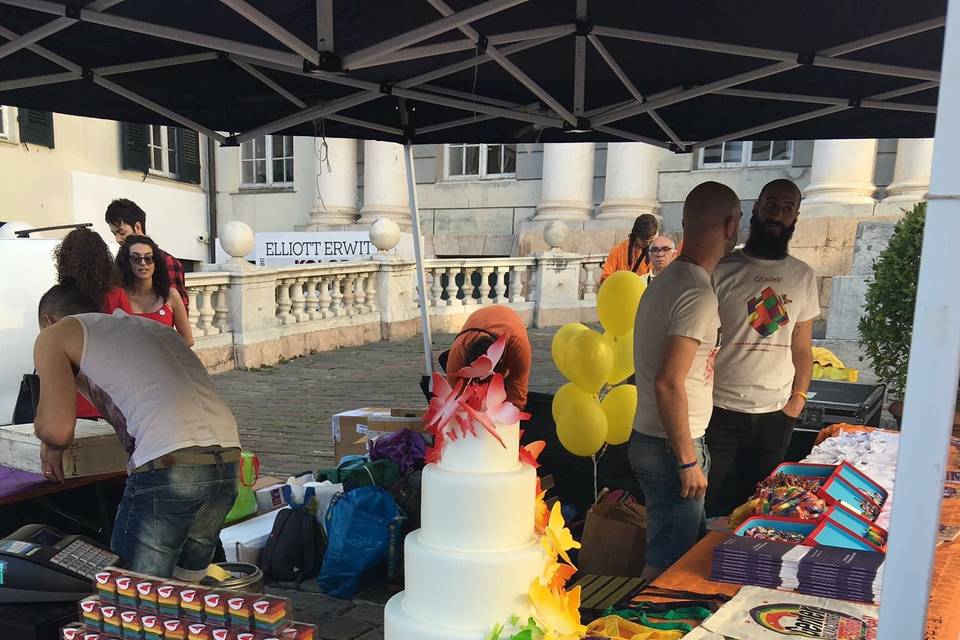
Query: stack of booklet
[(831, 572)]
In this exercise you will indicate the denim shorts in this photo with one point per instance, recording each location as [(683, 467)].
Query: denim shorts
[(169, 520), (674, 524)]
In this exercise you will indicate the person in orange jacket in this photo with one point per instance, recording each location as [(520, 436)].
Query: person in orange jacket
[(632, 254)]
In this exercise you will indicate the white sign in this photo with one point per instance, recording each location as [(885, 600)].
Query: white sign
[(286, 248)]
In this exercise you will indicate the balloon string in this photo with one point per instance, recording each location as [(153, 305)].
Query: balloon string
[(595, 494)]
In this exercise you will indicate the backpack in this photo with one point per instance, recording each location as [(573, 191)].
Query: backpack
[(294, 551)]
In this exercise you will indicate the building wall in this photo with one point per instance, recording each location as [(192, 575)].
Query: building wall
[(268, 209), (77, 179)]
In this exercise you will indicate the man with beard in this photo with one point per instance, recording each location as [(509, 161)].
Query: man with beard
[(768, 302)]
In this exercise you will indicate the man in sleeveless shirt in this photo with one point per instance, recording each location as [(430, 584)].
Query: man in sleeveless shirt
[(180, 435)]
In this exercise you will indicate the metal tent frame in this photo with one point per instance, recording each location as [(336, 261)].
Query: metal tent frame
[(933, 372)]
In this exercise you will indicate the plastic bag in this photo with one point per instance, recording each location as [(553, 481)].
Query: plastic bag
[(358, 525), (405, 447)]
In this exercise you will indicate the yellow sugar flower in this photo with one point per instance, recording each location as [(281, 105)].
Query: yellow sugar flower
[(558, 614), (556, 575), (557, 539), (542, 514)]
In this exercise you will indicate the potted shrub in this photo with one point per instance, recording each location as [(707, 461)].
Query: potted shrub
[(886, 327)]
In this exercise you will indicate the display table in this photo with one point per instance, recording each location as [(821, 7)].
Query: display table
[(17, 486), (691, 572)]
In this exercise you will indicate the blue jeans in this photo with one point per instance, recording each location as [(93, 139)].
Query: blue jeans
[(674, 524), (169, 520)]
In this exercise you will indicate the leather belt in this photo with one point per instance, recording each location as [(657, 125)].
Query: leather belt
[(192, 456)]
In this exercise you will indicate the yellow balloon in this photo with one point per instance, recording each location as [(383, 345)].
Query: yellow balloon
[(562, 398), (559, 343), (617, 301), (620, 407), (622, 367), (582, 427), (588, 356)]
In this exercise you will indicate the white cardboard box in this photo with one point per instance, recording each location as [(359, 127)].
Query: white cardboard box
[(95, 450), (243, 542)]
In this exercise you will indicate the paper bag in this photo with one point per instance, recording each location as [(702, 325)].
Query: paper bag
[(614, 540)]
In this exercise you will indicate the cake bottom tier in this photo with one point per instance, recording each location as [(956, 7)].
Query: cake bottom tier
[(400, 625), (468, 590)]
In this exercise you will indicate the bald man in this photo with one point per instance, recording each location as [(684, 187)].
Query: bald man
[(676, 338), (768, 302)]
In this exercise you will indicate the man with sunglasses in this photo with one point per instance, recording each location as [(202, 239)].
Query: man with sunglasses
[(768, 302), (179, 433)]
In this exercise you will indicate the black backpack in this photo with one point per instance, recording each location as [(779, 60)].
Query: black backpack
[(295, 549)]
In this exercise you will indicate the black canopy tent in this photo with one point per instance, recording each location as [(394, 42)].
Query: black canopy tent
[(680, 75), (677, 73)]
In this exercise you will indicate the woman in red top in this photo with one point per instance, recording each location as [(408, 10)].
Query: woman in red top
[(84, 261), (148, 288)]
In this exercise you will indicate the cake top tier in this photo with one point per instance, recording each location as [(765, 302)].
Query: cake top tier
[(482, 453), (475, 427)]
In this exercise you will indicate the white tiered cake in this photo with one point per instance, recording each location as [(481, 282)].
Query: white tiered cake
[(471, 564)]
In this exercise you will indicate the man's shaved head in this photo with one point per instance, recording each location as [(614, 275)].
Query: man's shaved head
[(708, 206)]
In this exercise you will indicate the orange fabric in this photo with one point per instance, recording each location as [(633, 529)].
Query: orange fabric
[(692, 571), (619, 260), (517, 355)]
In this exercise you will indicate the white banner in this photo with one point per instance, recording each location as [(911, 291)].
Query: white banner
[(286, 248)]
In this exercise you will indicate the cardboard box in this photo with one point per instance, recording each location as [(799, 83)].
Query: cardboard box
[(353, 429), (95, 450)]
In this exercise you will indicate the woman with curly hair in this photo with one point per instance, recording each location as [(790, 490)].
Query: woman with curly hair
[(84, 259), (148, 288)]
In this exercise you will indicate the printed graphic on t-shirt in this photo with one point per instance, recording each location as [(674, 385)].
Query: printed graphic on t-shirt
[(766, 312), (710, 365)]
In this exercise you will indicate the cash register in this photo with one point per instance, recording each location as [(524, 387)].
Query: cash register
[(39, 563)]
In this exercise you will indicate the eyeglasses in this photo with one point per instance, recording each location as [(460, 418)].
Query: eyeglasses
[(138, 259), (661, 249)]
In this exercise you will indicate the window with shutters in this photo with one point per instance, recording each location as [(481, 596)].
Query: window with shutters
[(36, 127), (480, 161), (266, 161), (5, 123), (171, 152), (163, 151), (735, 154)]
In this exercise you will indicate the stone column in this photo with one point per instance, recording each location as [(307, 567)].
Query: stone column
[(633, 172), (567, 191), (384, 184), (911, 176), (336, 184), (841, 179)]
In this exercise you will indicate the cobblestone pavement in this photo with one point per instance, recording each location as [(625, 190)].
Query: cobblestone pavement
[(284, 412), (284, 416)]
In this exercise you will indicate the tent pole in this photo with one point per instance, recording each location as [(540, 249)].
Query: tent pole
[(418, 256), (931, 377)]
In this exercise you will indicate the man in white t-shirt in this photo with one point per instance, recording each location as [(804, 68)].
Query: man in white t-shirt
[(676, 338), (768, 302)]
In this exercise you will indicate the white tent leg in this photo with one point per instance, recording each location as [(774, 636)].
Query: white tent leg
[(418, 256), (931, 377)]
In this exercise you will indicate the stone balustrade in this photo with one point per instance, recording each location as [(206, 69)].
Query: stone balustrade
[(246, 316)]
